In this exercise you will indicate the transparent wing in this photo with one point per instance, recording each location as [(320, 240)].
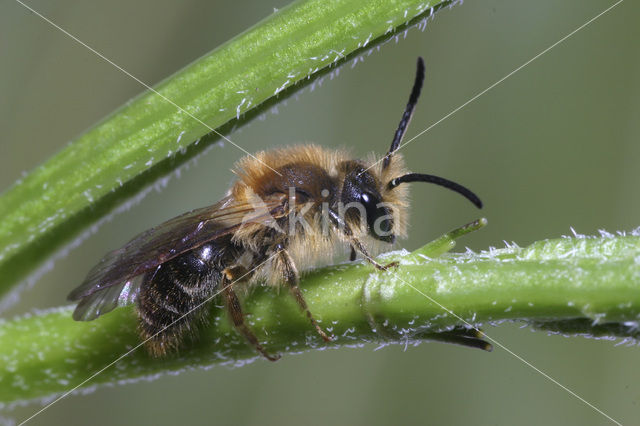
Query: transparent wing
[(107, 299), (116, 279)]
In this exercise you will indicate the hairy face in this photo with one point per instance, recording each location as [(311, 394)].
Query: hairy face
[(363, 205)]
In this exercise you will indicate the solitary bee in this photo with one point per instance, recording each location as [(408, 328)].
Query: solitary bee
[(289, 208)]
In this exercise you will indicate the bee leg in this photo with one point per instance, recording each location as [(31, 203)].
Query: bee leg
[(469, 337), (353, 254), (292, 279), (235, 312), (355, 243), (340, 224), (464, 336)]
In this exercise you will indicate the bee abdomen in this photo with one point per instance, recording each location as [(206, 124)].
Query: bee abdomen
[(173, 299)]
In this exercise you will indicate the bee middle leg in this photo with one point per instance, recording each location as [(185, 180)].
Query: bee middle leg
[(292, 279), (235, 312)]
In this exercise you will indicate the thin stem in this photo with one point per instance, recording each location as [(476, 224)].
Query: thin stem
[(147, 138), (585, 286)]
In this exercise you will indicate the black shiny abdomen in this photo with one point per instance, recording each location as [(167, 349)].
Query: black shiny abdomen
[(173, 298)]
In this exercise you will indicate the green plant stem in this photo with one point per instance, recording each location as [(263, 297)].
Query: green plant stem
[(94, 173), (572, 285)]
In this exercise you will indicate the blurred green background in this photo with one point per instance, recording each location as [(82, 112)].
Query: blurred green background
[(555, 146)]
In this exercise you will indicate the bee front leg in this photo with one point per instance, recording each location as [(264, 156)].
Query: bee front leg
[(292, 278), (356, 244), (235, 312), (353, 254), (362, 249)]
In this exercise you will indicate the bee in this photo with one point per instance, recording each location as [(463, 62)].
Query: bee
[(288, 209)]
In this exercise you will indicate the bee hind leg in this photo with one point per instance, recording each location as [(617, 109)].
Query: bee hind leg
[(292, 278), (235, 312)]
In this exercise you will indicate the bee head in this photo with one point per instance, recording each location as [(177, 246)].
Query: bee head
[(364, 204), (378, 187)]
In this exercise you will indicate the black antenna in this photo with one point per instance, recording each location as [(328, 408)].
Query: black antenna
[(408, 112), (419, 177)]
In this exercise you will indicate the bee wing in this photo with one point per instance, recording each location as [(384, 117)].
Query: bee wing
[(116, 279), (107, 299)]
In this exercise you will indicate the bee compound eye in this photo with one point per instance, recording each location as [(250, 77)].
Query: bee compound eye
[(379, 218), (385, 224)]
